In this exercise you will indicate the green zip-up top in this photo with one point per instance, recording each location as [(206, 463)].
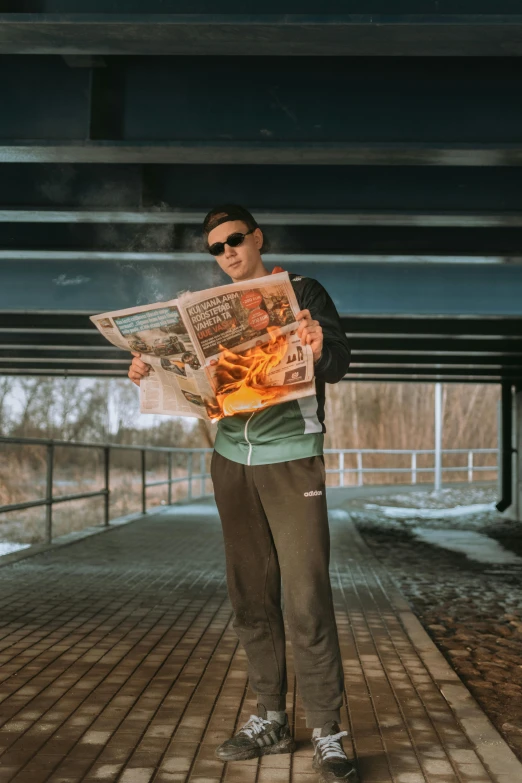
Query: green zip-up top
[(295, 429)]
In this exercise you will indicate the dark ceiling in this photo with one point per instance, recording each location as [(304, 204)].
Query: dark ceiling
[(381, 153)]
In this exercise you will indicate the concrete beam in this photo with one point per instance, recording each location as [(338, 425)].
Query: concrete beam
[(403, 289), (95, 372), (83, 372), (264, 153), (485, 35), (466, 334), (415, 378), (420, 371), (460, 327), (437, 359), (184, 257), (440, 219), (80, 366)]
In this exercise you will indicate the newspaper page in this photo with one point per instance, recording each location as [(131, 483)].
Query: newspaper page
[(176, 380), (245, 336)]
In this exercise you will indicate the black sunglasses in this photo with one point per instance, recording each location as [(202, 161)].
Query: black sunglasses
[(233, 240)]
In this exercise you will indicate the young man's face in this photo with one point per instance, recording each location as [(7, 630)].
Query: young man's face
[(242, 262)]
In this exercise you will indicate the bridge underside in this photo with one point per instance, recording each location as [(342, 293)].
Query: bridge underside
[(417, 348), (381, 154)]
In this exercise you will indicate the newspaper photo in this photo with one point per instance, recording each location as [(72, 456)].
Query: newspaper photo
[(246, 337), (158, 333), (217, 352)]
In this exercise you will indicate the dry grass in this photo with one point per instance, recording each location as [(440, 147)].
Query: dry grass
[(358, 415), (401, 416), (19, 483)]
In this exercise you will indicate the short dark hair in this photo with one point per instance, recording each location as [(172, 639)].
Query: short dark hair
[(223, 213)]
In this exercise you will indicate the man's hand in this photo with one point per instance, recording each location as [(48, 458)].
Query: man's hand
[(138, 369), (311, 333)]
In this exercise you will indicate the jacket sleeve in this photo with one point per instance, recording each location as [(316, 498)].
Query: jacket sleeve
[(335, 358)]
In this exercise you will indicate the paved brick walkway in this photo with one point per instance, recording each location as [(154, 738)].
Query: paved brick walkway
[(118, 662)]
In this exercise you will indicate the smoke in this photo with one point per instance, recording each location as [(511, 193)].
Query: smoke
[(206, 274), (65, 280), (59, 187), (274, 239), (157, 285), (66, 186), (153, 238)]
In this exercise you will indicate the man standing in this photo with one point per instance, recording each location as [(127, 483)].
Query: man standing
[(269, 481)]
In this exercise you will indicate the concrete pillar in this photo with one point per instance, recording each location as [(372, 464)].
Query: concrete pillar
[(517, 455), (438, 437), (515, 509)]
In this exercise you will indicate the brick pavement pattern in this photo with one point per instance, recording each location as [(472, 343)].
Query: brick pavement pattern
[(118, 663)]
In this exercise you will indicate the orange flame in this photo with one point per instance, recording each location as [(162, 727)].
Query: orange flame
[(241, 377)]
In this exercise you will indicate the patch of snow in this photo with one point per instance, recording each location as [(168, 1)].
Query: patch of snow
[(475, 546), (6, 547), (447, 497), (192, 510), (397, 512), (339, 513)]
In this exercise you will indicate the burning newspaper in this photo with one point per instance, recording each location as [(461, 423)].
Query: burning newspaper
[(214, 353)]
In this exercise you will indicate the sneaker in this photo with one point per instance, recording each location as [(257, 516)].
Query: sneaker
[(257, 737), (329, 757)]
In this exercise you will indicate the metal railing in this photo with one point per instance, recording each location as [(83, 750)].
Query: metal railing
[(414, 469), (191, 478), (51, 499)]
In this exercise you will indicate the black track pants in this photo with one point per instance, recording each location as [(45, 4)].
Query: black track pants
[(275, 527)]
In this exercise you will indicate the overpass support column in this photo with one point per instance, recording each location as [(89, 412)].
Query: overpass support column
[(509, 453), (517, 454)]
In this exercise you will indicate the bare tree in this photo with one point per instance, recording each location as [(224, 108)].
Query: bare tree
[(29, 388), (5, 418), (207, 432), (401, 416)]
